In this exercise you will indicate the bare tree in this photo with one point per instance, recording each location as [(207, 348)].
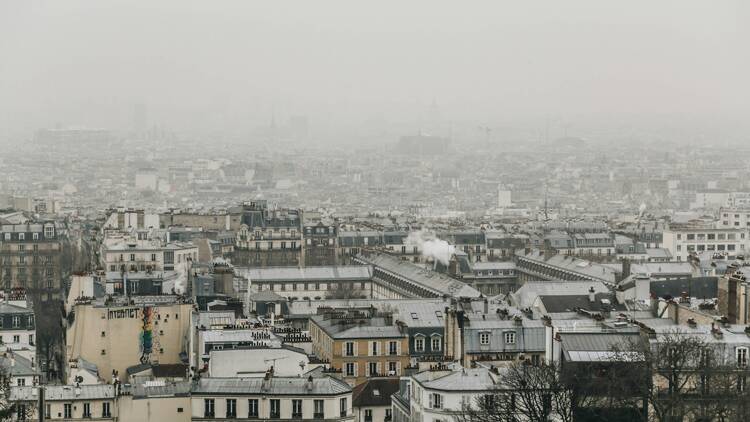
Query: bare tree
[(690, 378), (532, 393)]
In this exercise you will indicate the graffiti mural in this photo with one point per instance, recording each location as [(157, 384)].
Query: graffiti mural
[(147, 334)]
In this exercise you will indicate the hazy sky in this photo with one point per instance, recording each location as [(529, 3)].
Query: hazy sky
[(229, 63)]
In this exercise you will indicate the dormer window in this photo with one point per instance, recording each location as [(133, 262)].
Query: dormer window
[(510, 337), (484, 338), (21, 236)]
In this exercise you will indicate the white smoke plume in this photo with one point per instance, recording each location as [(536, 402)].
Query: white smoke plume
[(641, 209), (430, 246)]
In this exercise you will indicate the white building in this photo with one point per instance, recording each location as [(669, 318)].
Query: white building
[(727, 241), (503, 198), (732, 217), (438, 395), (286, 398)]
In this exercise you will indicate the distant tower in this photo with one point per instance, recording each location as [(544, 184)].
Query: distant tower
[(503, 197)]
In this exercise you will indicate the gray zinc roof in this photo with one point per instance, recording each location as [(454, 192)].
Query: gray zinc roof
[(286, 386)]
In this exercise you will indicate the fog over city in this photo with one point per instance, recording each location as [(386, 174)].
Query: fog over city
[(356, 68), (375, 211)]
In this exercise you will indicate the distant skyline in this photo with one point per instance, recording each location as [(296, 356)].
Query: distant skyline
[(228, 67)]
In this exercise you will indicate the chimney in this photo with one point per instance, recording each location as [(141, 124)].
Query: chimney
[(486, 306), (309, 383), (592, 295), (625, 268), (266, 381)]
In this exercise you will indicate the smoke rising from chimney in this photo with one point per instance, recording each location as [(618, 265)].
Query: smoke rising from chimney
[(431, 247)]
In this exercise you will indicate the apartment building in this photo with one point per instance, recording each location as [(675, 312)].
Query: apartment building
[(133, 255), (30, 258), (361, 344), (65, 402), (440, 394), (269, 237), (682, 241), (116, 334), (272, 398)]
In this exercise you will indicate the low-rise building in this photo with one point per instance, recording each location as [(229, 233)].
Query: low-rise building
[(283, 398), (360, 344)]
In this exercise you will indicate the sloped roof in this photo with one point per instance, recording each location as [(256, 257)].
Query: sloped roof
[(375, 392), (324, 386)]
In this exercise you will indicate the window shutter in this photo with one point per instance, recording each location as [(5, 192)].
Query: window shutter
[(398, 347), (431, 402), (356, 347), (343, 349), (378, 348), (356, 369)]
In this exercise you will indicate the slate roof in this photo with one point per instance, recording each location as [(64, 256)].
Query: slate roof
[(322, 273), (530, 336), (476, 379), (375, 392), (7, 308), (567, 303), (373, 328), (21, 368), (175, 389), (64, 392), (281, 386), (431, 280)]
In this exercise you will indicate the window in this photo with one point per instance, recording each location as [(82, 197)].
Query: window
[(67, 411), (349, 348), (373, 368), (393, 348), (105, 410), (741, 357), (16, 339), (436, 344), (368, 415), (387, 414), (484, 338), (16, 321), (275, 409), (392, 368), (343, 407), (49, 232), (87, 410), (350, 369), (436, 401), (231, 408), (153, 257), (374, 348), (510, 337), (21, 382), (21, 236), (252, 408), (297, 409), (318, 412), (208, 408), (21, 412), (35, 236), (419, 344)]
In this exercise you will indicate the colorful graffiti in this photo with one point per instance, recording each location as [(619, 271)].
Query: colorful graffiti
[(147, 334)]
